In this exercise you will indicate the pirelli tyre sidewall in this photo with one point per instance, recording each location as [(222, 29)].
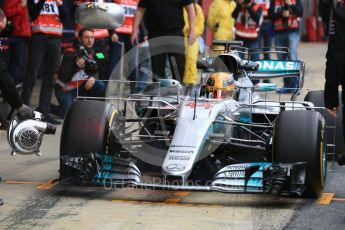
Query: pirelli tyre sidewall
[(86, 127), (299, 136), (337, 138)]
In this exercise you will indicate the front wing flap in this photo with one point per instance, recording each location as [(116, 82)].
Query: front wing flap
[(262, 177), (259, 177)]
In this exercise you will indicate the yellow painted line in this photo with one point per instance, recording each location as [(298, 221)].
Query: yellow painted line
[(186, 204), (339, 199), (47, 185), (181, 193), (216, 206), (125, 201), (325, 198), (172, 200), (159, 202), (147, 202), (202, 205), (22, 182)]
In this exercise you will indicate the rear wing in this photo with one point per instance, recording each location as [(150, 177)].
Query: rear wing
[(269, 69)]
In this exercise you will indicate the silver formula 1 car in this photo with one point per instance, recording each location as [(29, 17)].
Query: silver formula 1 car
[(221, 136)]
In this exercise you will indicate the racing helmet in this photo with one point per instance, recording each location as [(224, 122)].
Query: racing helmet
[(220, 85)]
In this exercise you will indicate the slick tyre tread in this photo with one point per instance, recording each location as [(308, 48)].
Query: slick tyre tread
[(298, 137), (85, 128), (317, 98)]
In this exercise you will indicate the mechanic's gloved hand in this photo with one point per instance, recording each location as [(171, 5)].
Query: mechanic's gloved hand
[(25, 112)]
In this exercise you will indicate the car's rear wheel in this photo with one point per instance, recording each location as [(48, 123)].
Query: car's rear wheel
[(332, 136), (299, 136)]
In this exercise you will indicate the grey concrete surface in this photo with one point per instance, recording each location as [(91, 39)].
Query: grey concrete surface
[(61, 207)]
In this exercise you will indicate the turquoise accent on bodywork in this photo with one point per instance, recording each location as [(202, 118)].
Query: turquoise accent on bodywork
[(262, 165), (168, 82), (283, 67), (266, 87), (217, 126), (245, 118), (104, 173), (256, 180)]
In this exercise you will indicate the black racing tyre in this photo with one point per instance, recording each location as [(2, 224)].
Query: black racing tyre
[(86, 127), (317, 98), (299, 137)]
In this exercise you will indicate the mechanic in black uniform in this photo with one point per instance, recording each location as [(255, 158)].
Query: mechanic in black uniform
[(8, 87), (165, 18), (335, 66)]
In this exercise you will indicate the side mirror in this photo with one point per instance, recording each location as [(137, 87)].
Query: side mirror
[(100, 15)]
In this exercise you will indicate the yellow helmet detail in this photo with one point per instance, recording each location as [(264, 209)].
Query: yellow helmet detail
[(221, 85)]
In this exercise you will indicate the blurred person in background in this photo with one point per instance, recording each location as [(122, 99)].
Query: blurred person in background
[(220, 21), (78, 72), (44, 51), (122, 37), (17, 13), (266, 34), (190, 77), (248, 18), (144, 67), (165, 18), (68, 33), (286, 15)]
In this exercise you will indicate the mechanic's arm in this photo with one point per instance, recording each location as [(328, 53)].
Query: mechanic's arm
[(139, 14), (8, 87), (35, 9), (143, 30), (191, 18), (335, 61)]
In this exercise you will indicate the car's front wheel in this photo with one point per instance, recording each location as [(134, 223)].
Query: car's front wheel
[(299, 136), (333, 135), (85, 131)]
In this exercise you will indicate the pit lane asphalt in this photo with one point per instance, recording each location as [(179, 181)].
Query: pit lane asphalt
[(33, 202)]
